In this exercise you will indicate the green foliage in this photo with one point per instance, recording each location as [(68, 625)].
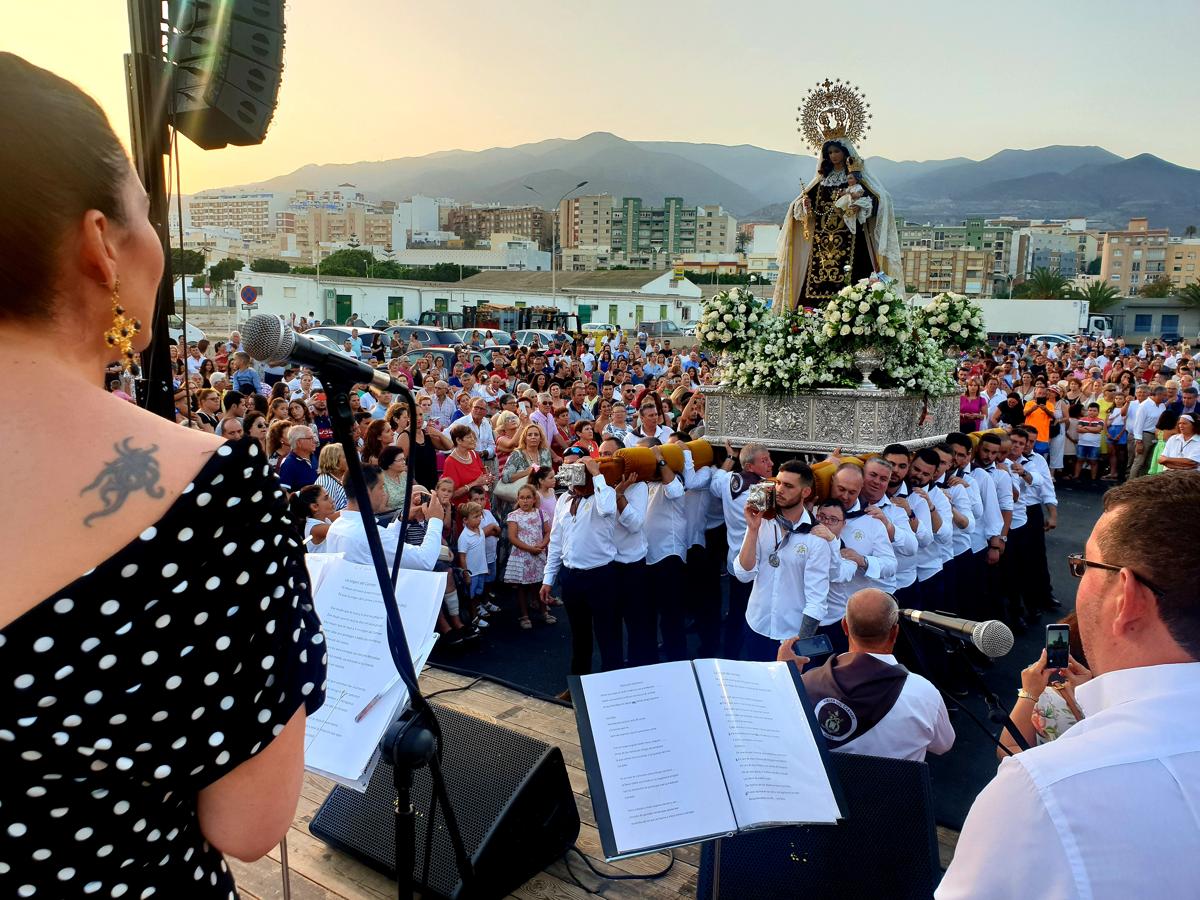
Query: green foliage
[(1159, 288), (1189, 294), (186, 262), (223, 271), (1100, 296), (270, 265), (1093, 268), (1189, 232), (304, 270), (1043, 284), (348, 263)]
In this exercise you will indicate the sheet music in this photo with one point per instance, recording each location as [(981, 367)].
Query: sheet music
[(318, 565), (361, 666), (662, 781), (768, 753)]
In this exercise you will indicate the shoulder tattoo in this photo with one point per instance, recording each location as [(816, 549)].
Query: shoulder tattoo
[(133, 470)]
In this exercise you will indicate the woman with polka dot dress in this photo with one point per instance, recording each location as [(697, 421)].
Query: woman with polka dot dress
[(159, 650)]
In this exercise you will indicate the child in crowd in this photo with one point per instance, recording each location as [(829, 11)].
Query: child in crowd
[(529, 534), (491, 537), (472, 554), (542, 481), (1087, 445)]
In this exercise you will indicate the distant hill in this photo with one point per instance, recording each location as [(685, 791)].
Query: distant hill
[(751, 182)]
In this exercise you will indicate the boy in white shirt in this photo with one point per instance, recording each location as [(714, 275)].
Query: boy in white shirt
[(472, 553), (491, 535), (1087, 444)]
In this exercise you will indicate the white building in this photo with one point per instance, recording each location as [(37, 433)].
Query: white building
[(623, 298), (761, 254), (250, 212)]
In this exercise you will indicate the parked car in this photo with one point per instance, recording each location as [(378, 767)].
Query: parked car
[(663, 329), (689, 327), (341, 333), (544, 336), (175, 329), (1052, 339), (448, 355), (501, 336), (428, 335), (601, 327), (326, 342)]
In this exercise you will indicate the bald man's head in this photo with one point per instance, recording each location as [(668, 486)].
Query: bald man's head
[(872, 620), (847, 485)]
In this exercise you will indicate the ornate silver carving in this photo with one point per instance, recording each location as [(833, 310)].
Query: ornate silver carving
[(867, 361), (816, 422)]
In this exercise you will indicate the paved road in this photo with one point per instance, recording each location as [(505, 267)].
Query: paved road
[(537, 661)]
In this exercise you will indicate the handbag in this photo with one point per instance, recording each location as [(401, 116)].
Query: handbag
[(508, 490)]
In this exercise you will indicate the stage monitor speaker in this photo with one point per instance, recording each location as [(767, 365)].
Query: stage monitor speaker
[(224, 67), (885, 847), (511, 795)]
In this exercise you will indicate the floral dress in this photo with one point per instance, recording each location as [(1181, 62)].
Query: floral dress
[(525, 567)]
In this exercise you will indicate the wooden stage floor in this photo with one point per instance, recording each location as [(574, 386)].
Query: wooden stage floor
[(320, 873)]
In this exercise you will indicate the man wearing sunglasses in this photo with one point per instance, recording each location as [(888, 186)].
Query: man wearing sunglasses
[(1109, 810)]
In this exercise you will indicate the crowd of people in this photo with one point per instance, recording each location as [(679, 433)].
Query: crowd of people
[(1103, 410)]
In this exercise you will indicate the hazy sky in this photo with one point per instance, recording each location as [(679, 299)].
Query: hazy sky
[(373, 79)]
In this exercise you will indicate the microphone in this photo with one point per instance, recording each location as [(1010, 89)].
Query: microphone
[(991, 638), (265, 337)]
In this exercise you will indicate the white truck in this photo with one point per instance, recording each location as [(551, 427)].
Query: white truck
[(1007, 319)]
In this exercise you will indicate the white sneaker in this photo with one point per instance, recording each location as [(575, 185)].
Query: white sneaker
[(490, 607), (481, 622)]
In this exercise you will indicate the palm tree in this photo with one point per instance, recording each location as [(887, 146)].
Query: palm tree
[(1099, 295), (1189, 294), (1190, 231), (1045, 284)]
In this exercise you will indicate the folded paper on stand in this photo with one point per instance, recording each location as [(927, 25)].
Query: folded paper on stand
[(683, 752), (361, 665)]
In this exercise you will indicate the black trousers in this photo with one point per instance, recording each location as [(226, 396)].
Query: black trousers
[(592, 601), (638, 612), (958, 589), (1039, 591), (668, 598), (1015, 565), (703, 577), (735, 620)]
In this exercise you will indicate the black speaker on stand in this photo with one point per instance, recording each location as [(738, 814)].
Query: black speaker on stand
[(225, 58), (511, 795)]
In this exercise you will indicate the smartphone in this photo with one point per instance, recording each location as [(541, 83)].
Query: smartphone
[(817, 645), (1058, 646)]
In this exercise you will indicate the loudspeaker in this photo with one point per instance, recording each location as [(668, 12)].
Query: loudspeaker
[(511, 796), (885, 847), (224, 66)]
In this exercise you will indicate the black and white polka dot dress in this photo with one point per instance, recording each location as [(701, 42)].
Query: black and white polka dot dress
[(146, 680)]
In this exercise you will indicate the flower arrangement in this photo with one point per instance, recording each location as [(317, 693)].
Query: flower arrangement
[(731, 320), (953, 321), (809, 348), (867, 314)]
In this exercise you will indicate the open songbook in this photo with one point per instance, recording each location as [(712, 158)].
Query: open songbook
[(341, 742), (688, 751)]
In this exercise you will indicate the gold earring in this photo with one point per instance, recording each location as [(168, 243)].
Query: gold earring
[(123, 329)]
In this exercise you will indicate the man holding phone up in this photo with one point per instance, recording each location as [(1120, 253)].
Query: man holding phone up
[(788, 562)]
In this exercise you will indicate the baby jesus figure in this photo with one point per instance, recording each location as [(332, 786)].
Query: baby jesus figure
[(854, 203)]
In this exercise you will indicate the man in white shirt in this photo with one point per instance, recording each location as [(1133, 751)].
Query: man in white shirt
[(348, 535), (989, 466), (582, 551), (866, 556), (443, 408), (1108, 811), (649, 425), (865, 702), (1143, 430), (668, 538), (917, 515), (485, 440), (931, 558), (787, 564)]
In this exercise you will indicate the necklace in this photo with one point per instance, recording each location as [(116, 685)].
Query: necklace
[(465, 461)]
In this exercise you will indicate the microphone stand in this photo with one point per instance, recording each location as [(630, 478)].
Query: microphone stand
[(414, 740), (955, 650)]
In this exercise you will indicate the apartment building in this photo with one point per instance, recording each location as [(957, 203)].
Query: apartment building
[(1136, 256)]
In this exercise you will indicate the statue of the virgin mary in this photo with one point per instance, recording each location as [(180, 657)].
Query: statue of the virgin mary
[(820, 248)]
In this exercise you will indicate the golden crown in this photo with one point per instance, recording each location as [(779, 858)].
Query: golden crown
[(831, 110)]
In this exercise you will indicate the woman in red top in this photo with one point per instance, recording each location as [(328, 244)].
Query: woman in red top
[(585, 438), (463, 465)]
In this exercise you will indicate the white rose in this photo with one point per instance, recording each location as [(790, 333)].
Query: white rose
[(712, 335), (753, 317), (728, 317), (863, 307), (857, 329), (954, 326), (845, 329), (883, 309), (846, 317), (935, 331)]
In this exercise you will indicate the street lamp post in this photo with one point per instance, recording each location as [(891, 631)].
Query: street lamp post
[(554, 237)]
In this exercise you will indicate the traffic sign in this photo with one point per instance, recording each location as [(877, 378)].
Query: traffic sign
[(249, 295), (207, 289)]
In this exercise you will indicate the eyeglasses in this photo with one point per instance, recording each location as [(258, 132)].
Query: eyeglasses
[(830, 520), (1078, 565)]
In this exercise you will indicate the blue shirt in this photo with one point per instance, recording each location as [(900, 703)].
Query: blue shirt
[(296, 472), (245, 378), (356, 345)]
